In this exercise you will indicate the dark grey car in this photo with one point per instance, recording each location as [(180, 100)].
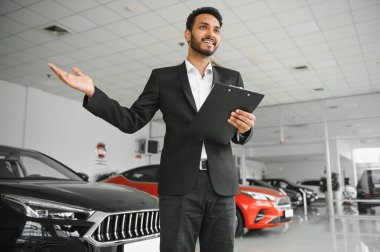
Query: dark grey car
[(46, 206)]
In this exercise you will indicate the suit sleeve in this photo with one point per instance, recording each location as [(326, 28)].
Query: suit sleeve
[(241, 138), (128, 120)]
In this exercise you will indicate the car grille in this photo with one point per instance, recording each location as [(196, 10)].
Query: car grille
[(280, 220), (127, 226)]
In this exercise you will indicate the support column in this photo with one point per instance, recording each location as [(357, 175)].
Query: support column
[(329, 195), (243, 168)]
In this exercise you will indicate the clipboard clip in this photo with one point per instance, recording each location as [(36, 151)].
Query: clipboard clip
[(235, 86)]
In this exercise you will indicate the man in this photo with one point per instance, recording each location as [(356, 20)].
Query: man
[(197, 177)]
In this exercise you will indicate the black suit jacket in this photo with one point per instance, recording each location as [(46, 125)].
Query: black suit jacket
[(168, 89)]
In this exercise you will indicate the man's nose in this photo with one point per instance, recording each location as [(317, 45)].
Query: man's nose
[(211, 33)]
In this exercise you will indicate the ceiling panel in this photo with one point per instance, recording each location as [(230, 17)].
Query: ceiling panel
[(118, 42)]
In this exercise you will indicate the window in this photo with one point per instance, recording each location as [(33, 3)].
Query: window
[(33, 165), (283, 184), (35, 168)]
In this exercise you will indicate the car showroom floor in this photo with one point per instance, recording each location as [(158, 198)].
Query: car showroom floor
[(316, 233)]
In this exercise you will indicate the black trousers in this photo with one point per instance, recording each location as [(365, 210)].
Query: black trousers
[(201, 213)]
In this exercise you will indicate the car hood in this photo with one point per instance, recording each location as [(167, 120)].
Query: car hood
[(259, 189), (96, 196)]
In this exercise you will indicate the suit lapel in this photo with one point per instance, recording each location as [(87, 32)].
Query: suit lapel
[(216, 78), (182, 73)]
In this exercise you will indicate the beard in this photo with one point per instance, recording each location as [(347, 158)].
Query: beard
[(196, 46)]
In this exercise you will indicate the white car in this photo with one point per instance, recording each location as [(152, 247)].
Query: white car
[(349, 192), (313, 184)]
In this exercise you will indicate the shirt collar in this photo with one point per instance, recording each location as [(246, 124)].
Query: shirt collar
[(190, 67)]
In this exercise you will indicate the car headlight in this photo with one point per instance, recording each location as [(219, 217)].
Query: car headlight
[(46, 209), (258, 196)]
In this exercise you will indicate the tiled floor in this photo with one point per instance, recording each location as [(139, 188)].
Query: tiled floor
[(316, 233)]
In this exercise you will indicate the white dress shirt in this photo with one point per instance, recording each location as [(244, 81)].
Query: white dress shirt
[(200, 87)]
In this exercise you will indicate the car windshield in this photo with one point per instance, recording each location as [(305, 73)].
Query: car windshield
[(33, 166)]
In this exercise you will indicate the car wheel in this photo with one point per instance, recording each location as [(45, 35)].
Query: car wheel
[(239, 224)]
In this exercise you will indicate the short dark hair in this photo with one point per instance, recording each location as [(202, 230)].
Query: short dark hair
[(203, 10)]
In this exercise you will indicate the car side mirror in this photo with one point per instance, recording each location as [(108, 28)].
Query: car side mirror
[(84, 176)]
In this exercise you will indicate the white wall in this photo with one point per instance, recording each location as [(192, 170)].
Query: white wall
[(12, 113), (254, 169), (292, 170), (62, 128), (285, 150), (295, 171)]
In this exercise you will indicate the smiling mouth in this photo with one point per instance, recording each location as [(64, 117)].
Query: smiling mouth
[(209, 41)]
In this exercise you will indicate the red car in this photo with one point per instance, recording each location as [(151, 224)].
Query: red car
[(256, 207)]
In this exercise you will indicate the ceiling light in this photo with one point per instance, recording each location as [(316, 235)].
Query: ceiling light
[(129, 8), (56, 30), (257, 61)]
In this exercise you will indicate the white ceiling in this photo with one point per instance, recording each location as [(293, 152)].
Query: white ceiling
[(339, 40)]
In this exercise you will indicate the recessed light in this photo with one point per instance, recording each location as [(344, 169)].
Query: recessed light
[(129, 8)]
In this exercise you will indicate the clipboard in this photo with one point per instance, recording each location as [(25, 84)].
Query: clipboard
[(211, 123)]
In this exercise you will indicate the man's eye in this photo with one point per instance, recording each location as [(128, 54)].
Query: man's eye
[(217, 31)]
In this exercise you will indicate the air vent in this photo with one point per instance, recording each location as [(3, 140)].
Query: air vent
[(302, 67), (333, 107), (319, 89), (56, 30), (301, 125)]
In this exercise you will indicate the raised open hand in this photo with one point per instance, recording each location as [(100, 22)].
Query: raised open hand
[(78, 80)]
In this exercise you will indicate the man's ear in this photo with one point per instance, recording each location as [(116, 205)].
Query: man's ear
[(187, 35)]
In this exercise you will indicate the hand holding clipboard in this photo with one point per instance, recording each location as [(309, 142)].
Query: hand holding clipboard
[(210, 123)]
